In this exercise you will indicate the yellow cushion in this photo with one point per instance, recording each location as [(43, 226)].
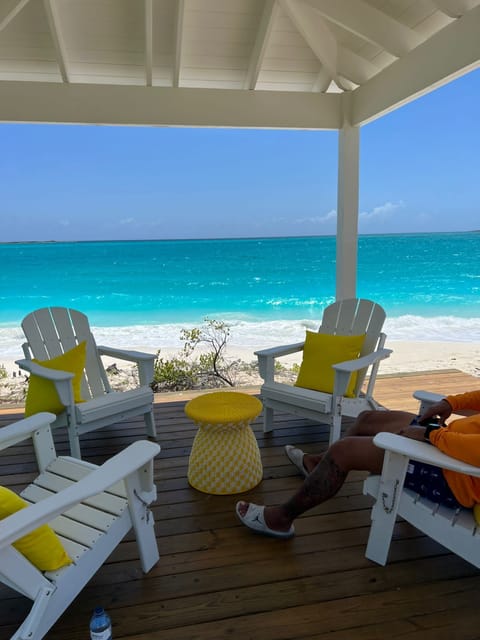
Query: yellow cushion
[(42, 395), (41, 547), (476, 513), (320, 352)]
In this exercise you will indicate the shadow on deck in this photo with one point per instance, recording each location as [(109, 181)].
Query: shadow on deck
[(216, 580)]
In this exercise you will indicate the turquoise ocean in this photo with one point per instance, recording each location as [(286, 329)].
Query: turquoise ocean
[(141, 293)]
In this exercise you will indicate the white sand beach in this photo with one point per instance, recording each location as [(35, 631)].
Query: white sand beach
[(406, 357), (412, 356)]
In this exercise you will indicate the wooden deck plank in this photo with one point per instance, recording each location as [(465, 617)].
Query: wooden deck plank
[(216, 580)]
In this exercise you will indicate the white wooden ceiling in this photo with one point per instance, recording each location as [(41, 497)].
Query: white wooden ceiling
[(270, 63)]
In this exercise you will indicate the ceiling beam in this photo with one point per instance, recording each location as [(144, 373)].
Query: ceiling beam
[(338, 62), (270, 11), (10, 10), (51, 10), (178, 43), (356, 69), (370, 24), (55, 102), (315, 33), (148, 42), (450, 53), (455, 8), (322, 81)]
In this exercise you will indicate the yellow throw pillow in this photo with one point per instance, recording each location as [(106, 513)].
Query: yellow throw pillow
[(320, 352), (42, 395), (42, 547), (476, 513)]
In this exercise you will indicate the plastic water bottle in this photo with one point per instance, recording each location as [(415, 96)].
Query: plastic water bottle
[(100, 625)]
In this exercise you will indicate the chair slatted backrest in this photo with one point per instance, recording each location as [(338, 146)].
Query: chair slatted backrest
[(355, 316), (52, 331)]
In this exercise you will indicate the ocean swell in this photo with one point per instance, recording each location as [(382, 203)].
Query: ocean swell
[(254, 335)]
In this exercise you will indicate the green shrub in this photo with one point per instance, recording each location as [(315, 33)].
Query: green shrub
[(187, 371), (174, 374)]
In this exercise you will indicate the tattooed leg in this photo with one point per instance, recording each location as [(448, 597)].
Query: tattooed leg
[(322, 484), (351, 453)]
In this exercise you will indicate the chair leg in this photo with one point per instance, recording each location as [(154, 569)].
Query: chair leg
[(384, 512), (74, 442), (150, 424), (335, 429), (146, 542), (267, 419), (142, 519)]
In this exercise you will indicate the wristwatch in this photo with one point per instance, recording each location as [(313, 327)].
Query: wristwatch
[(431, 426)]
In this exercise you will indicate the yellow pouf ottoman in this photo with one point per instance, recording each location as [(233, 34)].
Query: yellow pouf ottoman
[(225, 457)]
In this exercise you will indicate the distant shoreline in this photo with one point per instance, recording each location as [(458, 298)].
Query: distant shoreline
[(223, 239)]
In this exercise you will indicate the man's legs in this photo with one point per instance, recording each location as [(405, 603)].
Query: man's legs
[(368, 423), (352, 453)]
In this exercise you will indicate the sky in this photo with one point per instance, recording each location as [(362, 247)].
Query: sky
[(419, 172)]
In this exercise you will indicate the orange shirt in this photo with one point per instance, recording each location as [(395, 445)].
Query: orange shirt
[(461, 440)]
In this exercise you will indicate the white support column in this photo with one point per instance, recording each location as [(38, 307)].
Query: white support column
[(347, 210)]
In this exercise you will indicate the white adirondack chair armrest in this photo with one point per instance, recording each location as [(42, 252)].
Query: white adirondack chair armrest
[(266, 358), (118, 468), (428, 397), (123, 354), (44, 372), (423, 452), (283, 350), (61, 379), (23, 429), (343, 370), (360, 363), (144, 361)]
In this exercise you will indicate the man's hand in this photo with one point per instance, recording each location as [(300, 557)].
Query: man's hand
[(413, 432), (441, 409)]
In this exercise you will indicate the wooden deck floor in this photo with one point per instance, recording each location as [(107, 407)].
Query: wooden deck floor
[(216, 581)]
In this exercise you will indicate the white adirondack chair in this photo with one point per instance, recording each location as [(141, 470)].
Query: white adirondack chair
[(344, 317), (90, 507), (53, 331), (454, 529)]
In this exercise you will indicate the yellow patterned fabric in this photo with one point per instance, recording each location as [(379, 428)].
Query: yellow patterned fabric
[(225, 458), (222, 407)]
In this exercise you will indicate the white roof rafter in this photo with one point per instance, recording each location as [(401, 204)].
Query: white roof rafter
[(261, 42), (355, 68), (149, 42), (51, 10), (455, 8), (322, 81), (369, 23), (315, 32), (177, 65), (10, 10), (437, 61)]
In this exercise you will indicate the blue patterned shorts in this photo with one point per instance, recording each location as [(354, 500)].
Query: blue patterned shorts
[(429, 481)]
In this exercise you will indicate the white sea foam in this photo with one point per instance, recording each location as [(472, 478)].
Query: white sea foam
[(254, 335)]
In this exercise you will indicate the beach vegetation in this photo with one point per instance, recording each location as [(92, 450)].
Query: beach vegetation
[(173, 374), (3, 371), (202, 362), (295, 368), (279, 367)]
